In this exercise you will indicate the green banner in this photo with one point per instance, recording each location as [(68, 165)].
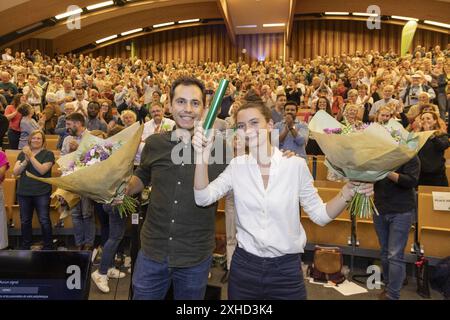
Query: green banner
[(133, 49), (407, 36)]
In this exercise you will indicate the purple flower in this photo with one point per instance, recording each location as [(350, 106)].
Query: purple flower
[(332, 130)]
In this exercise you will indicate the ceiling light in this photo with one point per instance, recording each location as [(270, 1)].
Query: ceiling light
[(100, 5), (439, 24), (189, 21), (68, 14), (163, 24), (247, 26), (268, 25), (131, 31), (365, 14), (404, 18), (337, 13), (106, 39)]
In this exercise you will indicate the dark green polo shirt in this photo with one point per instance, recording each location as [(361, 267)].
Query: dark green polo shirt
[(30, 187), (175, 228)]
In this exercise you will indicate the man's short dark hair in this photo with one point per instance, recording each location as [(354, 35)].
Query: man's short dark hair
[(76, 117), (95, 103), (188, 81), (280, 95), (291, 103)]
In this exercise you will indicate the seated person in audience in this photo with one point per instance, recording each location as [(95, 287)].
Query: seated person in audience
[(32, 194), (292, 134), (93, 122), (4, 166), (51, 113), (395, 199), (432, 170), (27, 124), (278, 198)]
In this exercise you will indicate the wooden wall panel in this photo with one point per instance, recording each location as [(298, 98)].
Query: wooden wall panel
[(44, 46), (331, 37), (309, 39)]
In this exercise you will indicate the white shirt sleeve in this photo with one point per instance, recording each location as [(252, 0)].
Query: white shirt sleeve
[(215, 189), (310, 199)]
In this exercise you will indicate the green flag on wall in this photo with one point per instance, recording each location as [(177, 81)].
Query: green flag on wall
[(407, 36), (133, 49)]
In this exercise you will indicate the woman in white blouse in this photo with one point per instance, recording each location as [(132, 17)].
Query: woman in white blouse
[(268, 189)]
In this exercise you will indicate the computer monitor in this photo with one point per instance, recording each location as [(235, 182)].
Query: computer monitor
[(44, 275)]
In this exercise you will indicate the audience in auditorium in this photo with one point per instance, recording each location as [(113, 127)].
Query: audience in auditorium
[(68, 95)]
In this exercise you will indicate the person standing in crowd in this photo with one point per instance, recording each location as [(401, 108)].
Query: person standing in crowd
[(51, 114), (388, 92), (177, 238), (14, 117), (117, 225), (83, 218), (27, 124), (33, 93), (432, 170), (4, 166), (60, 128), (269, 234), (65, 95), (32, 194), (395, 199), (277, 111), (293, 134), (410, 94)]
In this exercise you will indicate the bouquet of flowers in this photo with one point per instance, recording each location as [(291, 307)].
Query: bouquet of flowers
[(100, 169), (364, 153)]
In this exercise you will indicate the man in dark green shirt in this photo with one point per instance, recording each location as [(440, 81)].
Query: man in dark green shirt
[(177, 238)]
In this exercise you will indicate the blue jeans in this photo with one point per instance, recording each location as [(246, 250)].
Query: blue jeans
[(151, 280), (103, 217), (84, 222), (392, 232), (116, 232), (27, 206), (256, 278)]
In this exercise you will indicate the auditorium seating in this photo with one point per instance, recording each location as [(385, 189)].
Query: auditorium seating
[(434, 225)]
